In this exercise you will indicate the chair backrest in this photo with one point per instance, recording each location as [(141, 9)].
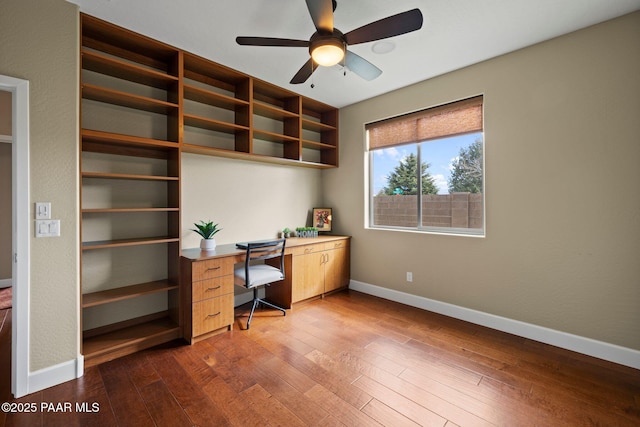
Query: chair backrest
[(264, 250)]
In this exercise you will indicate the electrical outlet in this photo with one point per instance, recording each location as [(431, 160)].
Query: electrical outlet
[(409, 276)]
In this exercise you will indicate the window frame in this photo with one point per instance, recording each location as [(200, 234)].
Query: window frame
[(370, 153)]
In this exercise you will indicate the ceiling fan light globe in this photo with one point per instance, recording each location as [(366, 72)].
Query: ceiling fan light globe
[(327, 54)]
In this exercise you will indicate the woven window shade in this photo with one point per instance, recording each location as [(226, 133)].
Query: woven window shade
[(446, 120)]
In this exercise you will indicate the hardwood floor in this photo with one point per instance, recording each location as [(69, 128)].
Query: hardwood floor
[(350, 359)]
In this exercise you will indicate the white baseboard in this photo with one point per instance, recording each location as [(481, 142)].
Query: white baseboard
[(602, 350), (54, 375), (5, 283)]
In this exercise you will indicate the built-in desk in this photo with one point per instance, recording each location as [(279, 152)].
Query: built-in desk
[(313, 267)]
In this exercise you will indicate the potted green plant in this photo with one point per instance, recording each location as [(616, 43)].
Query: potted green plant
[(207, 230), (286, 232)]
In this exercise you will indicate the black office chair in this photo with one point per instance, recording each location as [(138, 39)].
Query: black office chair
[(256, 275)]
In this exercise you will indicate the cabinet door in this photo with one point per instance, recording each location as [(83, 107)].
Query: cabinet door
[(307, 276), (336, 269), (212, 314)]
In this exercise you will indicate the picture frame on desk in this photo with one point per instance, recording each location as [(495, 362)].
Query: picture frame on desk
[(322, 218)]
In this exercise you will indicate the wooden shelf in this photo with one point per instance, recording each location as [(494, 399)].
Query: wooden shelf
[(212, 98), (317, 126), (126, 292), (106, 244), (317, 145), (128, 337), (232, 154), (94, 61), (126, 145), (89, 135), (123, 43), (214, 125), (208, 72), (105, 175), (274, 137), (123, 99), (128, 210), (266, 110)]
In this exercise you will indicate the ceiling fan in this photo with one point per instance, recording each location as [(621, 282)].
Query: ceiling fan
[(328, 45)]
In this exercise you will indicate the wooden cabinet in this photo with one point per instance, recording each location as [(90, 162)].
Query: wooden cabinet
[(130, 223), (207, 296), (307, 271), (337, 264), (313, 268)]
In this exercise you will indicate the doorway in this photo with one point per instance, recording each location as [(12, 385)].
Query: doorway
[(19, 90), (6, 239)]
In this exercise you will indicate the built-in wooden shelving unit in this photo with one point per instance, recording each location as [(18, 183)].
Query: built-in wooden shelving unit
[(130, 191), (143, 104)]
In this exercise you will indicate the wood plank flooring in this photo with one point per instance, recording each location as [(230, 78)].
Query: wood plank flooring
[(353, 360)]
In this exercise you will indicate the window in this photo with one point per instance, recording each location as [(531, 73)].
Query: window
[(427, 170)]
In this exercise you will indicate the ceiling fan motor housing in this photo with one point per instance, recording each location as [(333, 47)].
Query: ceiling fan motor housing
[(328, 42)]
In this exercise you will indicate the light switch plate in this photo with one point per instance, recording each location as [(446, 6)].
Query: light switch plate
[(47, 228), (43, 210)]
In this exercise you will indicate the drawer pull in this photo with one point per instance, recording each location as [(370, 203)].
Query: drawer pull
[(214, 315), (213, 268), (214, 289)]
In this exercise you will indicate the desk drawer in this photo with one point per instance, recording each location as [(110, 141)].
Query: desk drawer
[(336, 244), (212, 268), (212, 314), (210, 288), (307, 249)]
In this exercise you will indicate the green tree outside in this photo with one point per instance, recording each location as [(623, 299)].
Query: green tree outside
[(466, 174), (404, 178)]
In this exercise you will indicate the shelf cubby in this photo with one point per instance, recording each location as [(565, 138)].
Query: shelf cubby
[(126, 292)]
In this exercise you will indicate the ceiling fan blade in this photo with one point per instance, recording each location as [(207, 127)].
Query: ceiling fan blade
[(303, 73), (395, 25), (271, 41), (361, 66), (321, 12)]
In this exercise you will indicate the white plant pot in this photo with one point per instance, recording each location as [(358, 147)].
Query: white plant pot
[(208, 244)]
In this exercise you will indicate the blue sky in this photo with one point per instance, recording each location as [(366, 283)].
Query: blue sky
[(438, 154)]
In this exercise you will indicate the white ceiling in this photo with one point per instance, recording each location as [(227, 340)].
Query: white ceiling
[(455, 34)]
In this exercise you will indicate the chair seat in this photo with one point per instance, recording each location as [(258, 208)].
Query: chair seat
[(260, 274)]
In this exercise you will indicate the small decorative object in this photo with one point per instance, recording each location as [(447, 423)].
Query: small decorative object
[(307, 232), (206, 230), (286, 232), (322, 219)]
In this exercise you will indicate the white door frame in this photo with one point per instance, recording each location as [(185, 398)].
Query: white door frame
[(20, 237)]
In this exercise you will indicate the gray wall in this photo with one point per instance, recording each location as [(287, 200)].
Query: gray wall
[(40, 44)]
